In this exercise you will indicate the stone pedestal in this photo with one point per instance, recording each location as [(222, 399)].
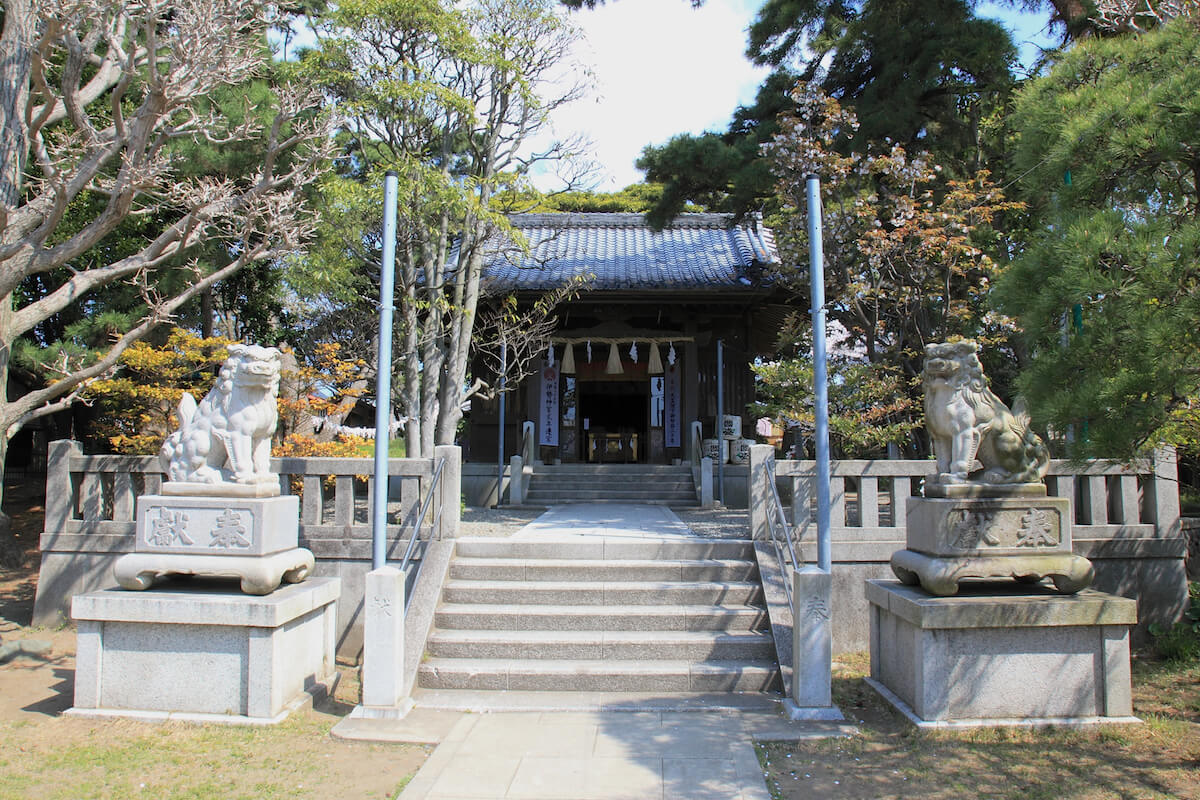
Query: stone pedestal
[(196, 653), (383, 647), (1001, 654), (252, 539), (1025, 535)]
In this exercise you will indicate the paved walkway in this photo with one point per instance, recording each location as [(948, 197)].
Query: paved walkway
[(605, 756), (592, 755), (610, 520)]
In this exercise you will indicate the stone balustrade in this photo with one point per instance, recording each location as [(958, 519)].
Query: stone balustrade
[(90, 501), (1126, 522)]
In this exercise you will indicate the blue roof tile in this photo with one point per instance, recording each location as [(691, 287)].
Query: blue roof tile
[(621, 251)]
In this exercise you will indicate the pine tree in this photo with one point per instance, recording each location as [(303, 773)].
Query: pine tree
[(1108, 287)]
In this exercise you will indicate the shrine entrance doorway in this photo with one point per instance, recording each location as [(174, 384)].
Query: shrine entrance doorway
[(614, 421)]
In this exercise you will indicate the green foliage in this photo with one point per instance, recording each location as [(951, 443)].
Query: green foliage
[(869, 407), (907, 248), (912, 70), (445, 96), (1106, 148), (136, 406), (637, 198), (722, 172), (251, 300), (924, 74), (1181, 642)]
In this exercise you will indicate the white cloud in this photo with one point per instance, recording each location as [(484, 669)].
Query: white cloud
[(661, 68)]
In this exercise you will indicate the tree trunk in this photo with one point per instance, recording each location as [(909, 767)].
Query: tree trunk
[(12, 556), (206, 314), (16, 64)]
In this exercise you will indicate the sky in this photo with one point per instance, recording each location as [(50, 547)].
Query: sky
[(662, 67)]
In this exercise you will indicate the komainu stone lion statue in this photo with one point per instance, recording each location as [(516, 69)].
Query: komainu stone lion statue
[(967, 422), (227, 438)]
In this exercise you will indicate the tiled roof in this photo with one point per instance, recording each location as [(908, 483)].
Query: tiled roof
[(621, 251)]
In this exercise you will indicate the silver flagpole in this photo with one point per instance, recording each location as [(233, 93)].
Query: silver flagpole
[(383, 376), (820, 375)]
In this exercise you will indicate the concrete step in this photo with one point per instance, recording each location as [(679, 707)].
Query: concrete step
[(550, 569), (612, 469), (598, 676), (601, 490), (547, 501), (481, 616), (591, 548), (483, 701), (599, 493), (603, 593), (616, 479), (604, 645)]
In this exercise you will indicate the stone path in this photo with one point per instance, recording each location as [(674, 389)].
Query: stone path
[(605, 756), (610, 520), (592, 755)]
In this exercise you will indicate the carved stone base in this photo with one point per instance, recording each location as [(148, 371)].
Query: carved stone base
[(1003, 655), (223, 489), (202, 525), (193, 652), (258, 574), (1025, 536), (941, 576)]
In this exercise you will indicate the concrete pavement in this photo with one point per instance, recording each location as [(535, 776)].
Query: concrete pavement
[(594, 754), (605, 756)]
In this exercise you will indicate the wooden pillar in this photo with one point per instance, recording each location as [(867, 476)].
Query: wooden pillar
[(691, 381)]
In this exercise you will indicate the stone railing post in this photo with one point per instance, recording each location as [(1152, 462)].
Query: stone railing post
[(449, 488), (812, 641), (383, 639), (529, 447), (60, 497), (516, 481), (1165, 506), (762, 471)]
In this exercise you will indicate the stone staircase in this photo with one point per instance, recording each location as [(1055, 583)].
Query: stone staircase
[(651, 484), (600, 622)]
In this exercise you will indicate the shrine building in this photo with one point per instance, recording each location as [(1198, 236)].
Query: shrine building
[(635, 354)]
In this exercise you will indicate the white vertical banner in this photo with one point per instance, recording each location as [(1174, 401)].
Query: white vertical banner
[(548, 400), (671, 409)]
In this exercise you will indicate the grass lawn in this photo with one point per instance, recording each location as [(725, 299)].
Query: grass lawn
[(46, 755), (893, 759), (49, 756), (61, 757)]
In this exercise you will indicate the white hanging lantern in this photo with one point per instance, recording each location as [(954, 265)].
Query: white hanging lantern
[(655, 367), (568, 365), (614, 361)]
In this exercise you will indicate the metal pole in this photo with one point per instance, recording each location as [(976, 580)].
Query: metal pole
[(820, 376), (500, 446), (383, 375), (720, 432)]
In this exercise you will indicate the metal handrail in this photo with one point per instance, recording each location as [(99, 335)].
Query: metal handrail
[(697, 447), (526, 445), (779, 528), (417, 524)]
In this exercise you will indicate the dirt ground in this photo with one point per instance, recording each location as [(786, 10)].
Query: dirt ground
[(892, 759), (46, 755)]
